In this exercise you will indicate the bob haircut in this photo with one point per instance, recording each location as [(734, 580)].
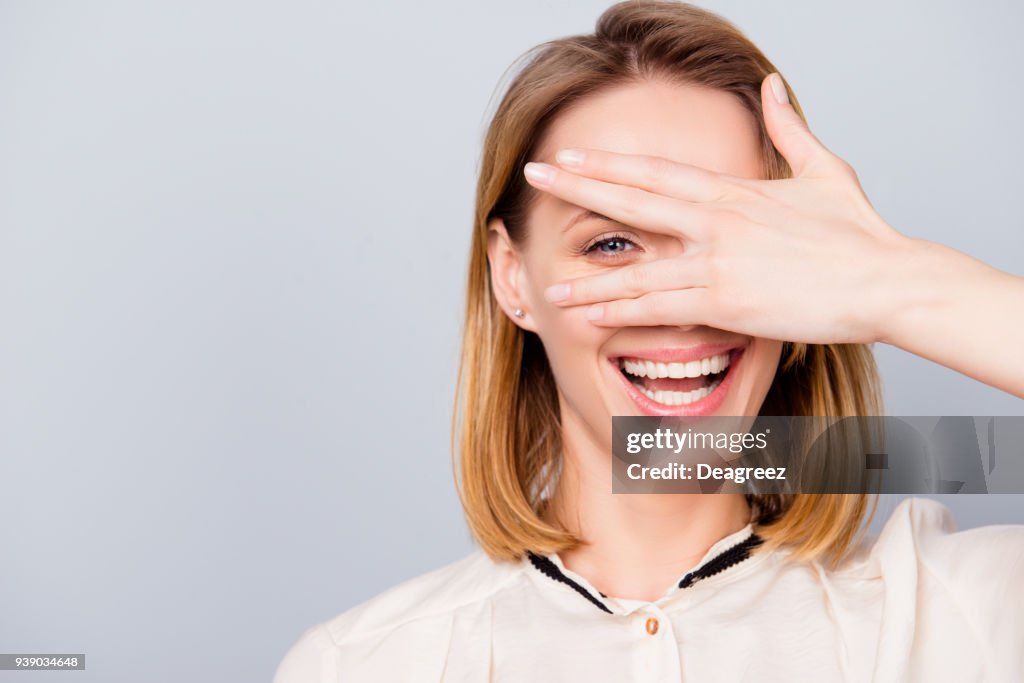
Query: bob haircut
[(506, 432)]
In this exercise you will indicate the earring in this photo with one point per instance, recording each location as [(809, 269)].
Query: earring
[(518, 313)]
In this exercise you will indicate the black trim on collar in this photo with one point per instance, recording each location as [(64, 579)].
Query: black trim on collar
[(719, 563), (722, 561), (551, 570)]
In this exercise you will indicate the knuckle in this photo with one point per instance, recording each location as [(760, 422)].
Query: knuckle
[(657, 172), (629, 207), (849, 181), (702, 224), (713, 270), (843, 168), (848, 168), (743, 308), (724, 192), (746, 190), (656, 306), (614, 313), (727, 217), (636, 279)]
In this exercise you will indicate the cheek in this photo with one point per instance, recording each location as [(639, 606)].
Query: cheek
[(760, 370), (563, 329), (574, 347), (567, 335), (572, 343)]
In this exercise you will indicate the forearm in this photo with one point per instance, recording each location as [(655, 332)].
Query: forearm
[(952, 309)]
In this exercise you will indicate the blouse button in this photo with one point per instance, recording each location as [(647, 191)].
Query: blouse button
[(651, 625)]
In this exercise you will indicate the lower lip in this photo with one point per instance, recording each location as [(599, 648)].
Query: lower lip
[(705, 406)]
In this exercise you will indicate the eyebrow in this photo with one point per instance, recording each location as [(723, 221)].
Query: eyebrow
[(584, 215)]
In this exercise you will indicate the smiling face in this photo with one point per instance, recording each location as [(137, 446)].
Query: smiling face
[(605, 371)]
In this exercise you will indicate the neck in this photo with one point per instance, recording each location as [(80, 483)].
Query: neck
[(635, 545)]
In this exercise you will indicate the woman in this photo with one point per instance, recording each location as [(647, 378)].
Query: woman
[(691, 208)]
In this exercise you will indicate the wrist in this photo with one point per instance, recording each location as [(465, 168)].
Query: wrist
[(927, 282), (884, 292)]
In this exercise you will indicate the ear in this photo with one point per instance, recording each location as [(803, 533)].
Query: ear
[(507, 274)]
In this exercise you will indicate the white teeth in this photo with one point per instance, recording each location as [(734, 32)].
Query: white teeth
[(678, 398), (705, 366)]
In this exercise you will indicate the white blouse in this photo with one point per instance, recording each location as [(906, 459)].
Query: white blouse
[(919, 602)]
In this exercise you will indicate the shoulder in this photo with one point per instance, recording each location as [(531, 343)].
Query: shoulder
[(925, 529), (954, 597), (931, 601), (414, 614), (312, 659), (920, 552), (469, 580)]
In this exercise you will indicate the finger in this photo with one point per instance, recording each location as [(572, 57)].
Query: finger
[(674, 307), (789, 132), (651, 173), (630, 281), (627, 205)]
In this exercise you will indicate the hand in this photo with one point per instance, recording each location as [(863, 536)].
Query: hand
[(801, 259)]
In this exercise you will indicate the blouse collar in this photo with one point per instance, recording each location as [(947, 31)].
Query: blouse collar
[(725, 553)]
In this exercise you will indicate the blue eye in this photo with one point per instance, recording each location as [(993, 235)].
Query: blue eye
[(611, 246)]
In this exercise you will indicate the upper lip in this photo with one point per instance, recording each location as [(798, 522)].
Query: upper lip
[(675, 354)]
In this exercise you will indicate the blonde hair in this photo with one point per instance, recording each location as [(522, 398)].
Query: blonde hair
[(506, 433)]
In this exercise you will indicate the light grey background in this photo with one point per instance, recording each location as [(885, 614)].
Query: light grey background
[(232, 248)]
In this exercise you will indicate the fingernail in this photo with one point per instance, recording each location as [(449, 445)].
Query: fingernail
[(778, 88), (556, 293), (573, 158), (539, 173), (595, 312)]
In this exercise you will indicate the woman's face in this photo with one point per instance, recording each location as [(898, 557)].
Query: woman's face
[(663, 370)]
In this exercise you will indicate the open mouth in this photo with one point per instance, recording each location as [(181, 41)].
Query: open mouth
[(678, 386)]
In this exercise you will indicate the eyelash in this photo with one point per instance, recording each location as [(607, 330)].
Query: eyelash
[(590, 247)]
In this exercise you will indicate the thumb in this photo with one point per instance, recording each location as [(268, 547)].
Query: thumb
[(788, 131)]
